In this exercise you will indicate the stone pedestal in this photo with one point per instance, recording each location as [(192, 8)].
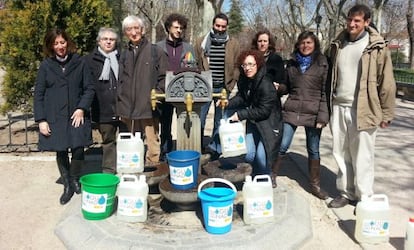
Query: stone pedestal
[(188, 131)]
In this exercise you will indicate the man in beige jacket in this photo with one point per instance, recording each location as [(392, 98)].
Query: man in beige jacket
[(362, 99)]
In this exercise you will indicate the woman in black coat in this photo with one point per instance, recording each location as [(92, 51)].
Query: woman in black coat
[(264, 42), (62, 98), (258, 104)]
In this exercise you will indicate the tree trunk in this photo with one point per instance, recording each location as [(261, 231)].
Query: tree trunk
[(410, 29)]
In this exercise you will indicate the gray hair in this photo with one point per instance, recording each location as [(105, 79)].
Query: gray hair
[(106, 29), (130, 20)]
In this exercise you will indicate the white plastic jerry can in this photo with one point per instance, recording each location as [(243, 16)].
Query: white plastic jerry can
[(258, 203), (232, 138), (132, 198), (372, 219), (130, 153), (409, 235)]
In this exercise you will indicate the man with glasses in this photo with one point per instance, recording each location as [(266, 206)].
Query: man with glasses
[(217, 52), (103, 63), (142, 68), (180, 55)]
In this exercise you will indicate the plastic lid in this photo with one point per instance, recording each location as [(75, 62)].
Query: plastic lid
[(411, 219)]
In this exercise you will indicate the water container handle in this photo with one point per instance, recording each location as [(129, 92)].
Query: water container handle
[(125, 134), (129, 176), (262, 176), (376, 197), (209, 180)]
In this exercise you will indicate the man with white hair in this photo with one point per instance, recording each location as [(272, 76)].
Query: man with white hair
[(142, 68)]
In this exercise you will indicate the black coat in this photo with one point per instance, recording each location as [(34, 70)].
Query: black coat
[(257, 102), (307, 102), (275, 67), (57, 95), (104, 102)]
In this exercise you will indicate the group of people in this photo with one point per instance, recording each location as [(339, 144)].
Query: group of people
[(352, 89)]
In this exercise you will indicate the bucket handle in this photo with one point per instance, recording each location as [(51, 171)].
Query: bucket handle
[(129, 176), (262, 176), (228, 183), (125, 134)]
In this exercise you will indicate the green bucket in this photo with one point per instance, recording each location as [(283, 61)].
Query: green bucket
[(98, 195)]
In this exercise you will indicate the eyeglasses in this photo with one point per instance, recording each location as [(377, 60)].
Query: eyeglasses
[(248, 65), (108, 39)]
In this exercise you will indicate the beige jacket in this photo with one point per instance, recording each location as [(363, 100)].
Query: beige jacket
[(377, 89)]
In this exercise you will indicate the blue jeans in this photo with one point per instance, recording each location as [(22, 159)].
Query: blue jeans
[(313, 136), (256, 153), (217, 115)]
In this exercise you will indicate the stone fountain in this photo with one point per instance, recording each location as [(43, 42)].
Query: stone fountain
[(188, 91)]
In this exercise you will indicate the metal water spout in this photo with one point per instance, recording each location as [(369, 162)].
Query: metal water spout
[(189, 108), (154, 98)]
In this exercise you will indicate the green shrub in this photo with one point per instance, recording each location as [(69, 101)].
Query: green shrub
[(23, 26), (404, 75)]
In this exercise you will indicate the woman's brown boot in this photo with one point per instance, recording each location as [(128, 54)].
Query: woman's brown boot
[(275, 169), (315, 179)]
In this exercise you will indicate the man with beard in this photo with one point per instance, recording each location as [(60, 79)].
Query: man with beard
[(218, 53), (180, 55)]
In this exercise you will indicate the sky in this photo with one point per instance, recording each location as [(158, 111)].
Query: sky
[(226, 6)]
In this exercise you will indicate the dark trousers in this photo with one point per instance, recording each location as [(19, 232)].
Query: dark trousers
[(108, 133), (167, 111)]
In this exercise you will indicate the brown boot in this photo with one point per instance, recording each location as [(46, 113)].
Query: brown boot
[(315, 180), (275, 169)]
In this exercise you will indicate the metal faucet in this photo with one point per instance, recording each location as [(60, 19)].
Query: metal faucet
[(154, 97), (223, 98), (189, 102)]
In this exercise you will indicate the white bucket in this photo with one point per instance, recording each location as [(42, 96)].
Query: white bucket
[(130, 153), (258, 203), (372, 219), (132, 198), (232, 138)]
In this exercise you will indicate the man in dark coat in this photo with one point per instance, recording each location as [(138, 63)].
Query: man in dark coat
[(142, 68), (103, 62)]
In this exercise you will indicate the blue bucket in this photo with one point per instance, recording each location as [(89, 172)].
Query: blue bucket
[(183, 168), (217, 206)]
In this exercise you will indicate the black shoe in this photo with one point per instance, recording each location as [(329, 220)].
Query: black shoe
[(338, 202), (213, 154), (67, 195), (59, 181)]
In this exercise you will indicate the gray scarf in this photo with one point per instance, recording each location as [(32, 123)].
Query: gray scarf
[(111, 62), (212, 37)]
